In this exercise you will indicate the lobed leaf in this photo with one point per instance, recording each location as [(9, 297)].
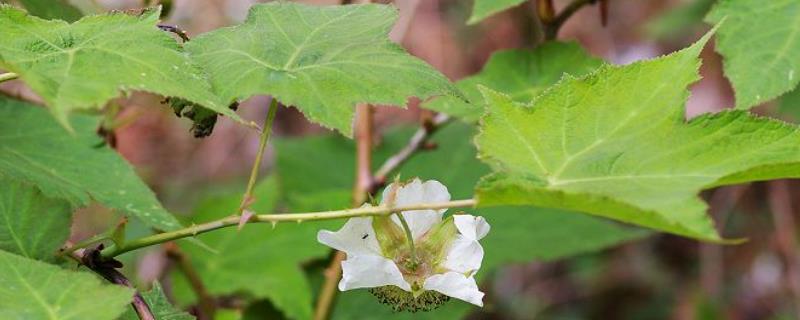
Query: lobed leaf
[(82, 65), (34, 149), (520, 73), (760, 43), (615, 144), (322, 60), (32, 225), (31, 289)]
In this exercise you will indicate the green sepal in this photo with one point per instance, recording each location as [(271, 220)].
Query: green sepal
[(389, 235), (439, 239)]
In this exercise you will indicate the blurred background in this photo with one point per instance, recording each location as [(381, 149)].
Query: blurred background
[(547, 270)]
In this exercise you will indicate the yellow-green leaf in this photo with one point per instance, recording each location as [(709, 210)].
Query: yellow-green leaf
[(615, 144)]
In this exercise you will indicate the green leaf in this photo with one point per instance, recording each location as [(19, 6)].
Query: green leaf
[(518, 233), (482, 9), (790, 105), (84, 64), (521, 74), (679, 20), (259, 260), (322, 60), (31, 225), (760, 43), (30, 289), (615, 144), (159, 305), (52, 9), (33, 148)]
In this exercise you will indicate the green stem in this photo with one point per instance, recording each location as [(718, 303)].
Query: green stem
[(115, 250), (8, 76), (265, 133), (410, 239), (84, 244)]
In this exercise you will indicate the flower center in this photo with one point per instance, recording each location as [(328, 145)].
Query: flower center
[(414, 270)]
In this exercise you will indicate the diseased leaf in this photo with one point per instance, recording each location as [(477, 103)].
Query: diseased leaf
[(322, 60), (526, 233), (31, 289), (482, 9), (522, 74), (31, 225), (259, 261), (760, 43), (84, 64), (159, 305), (52, 9), (33, 148), (615, 144)]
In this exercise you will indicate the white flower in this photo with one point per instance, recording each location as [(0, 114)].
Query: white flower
[(445, 257)]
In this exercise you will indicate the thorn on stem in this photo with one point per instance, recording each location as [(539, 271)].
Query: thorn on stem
[(244, 218), (430, 145)]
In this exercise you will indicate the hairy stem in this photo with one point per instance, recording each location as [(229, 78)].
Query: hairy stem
[(8, 76), (115, 250), (247, 198)]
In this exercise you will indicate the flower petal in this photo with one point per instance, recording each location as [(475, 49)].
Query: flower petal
[(369, 271), (472, 227), (356, 237), (464, 255), (455, 285), (415, 192)]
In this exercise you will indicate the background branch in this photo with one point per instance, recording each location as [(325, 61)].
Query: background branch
[(206, 303), (362, 188), (780, 202), (417, 142), (551, 26)]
